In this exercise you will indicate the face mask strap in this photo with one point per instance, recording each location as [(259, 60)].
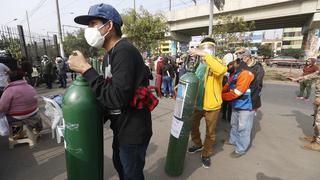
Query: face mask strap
[(102, 27)]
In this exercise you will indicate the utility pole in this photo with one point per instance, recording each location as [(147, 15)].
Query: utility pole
[(59, 30), (211, 18), (169, 5), (29, 27), (134, 11)]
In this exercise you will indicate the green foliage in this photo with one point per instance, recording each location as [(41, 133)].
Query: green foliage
[(230, 29), (12, 45), (265, 50), (76, 41), (144, 29), (297, 53)]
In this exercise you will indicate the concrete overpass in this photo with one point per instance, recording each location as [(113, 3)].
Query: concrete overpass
[(267, 14)]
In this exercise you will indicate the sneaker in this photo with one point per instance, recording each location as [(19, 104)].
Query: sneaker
[(312, 146), (309, 139), (206, 162), (194, 149), (235, 155), (306, 99), (299, 97)]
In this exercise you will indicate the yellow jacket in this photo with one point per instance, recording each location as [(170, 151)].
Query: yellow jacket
[(213, 83)]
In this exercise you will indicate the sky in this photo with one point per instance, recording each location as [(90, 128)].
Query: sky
[(43, 17)]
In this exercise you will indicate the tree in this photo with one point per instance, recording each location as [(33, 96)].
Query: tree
[(144, 29), (76, 41), (297, 53), (12, 45), (265, 50), (230, 29)]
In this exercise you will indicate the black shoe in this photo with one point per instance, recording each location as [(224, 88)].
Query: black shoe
[(194, 149), (206, 162)]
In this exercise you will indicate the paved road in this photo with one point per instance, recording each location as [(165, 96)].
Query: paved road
[(275, 154)]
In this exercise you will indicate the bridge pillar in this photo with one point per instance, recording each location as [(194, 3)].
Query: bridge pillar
[(311, 35), (179, 42), (311, 43)]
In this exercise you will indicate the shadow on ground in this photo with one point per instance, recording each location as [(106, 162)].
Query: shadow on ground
[(31, 163), (304, 121), (256, 125), (262, 176)]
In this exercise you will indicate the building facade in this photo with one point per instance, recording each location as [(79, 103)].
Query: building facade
[(292, 38)]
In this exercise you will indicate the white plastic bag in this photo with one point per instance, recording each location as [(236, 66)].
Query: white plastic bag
[(4, 126)]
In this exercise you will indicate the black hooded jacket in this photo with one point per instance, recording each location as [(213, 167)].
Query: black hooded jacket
[(256, 85)]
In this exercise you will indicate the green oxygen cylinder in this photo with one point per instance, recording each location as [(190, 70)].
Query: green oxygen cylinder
[(182, 121), (83, 132)]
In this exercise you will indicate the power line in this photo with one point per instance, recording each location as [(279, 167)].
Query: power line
[(51, 12), (34, 10), (67, 5), (183, 2), (121, 2)]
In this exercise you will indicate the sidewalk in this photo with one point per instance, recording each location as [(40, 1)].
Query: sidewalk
[(275, 152)]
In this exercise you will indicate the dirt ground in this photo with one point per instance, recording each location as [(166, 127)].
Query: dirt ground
[(281, 73)]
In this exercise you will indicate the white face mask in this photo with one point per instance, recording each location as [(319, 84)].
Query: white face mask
[(94, 37), (209, 51)]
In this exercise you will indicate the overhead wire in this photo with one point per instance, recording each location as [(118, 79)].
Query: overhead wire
[(62, 10), (34, 10)]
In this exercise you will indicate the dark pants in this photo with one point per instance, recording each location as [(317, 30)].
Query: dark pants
[(35, 81), (73, 75), (305, 85), (63, 80), (48, 79), (129, 160), (1, 90), (226, 110)]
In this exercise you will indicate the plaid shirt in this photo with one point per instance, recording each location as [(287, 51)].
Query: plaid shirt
[(144, 98)]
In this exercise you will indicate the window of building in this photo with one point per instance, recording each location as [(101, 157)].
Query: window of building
[(286, 43)]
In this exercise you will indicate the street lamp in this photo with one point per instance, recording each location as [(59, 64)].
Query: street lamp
[(11, 21)]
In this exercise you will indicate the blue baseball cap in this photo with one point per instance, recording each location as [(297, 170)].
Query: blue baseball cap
[(100, 11)]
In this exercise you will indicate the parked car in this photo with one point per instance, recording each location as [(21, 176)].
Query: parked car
[(285, 61)]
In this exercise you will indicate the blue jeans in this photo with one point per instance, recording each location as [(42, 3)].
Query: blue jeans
[(129, 160), (167, 84), (241, 126)]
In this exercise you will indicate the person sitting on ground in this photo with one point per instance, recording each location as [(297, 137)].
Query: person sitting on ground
[(18, 101)]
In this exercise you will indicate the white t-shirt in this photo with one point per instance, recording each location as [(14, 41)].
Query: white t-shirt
[(3, 75)]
